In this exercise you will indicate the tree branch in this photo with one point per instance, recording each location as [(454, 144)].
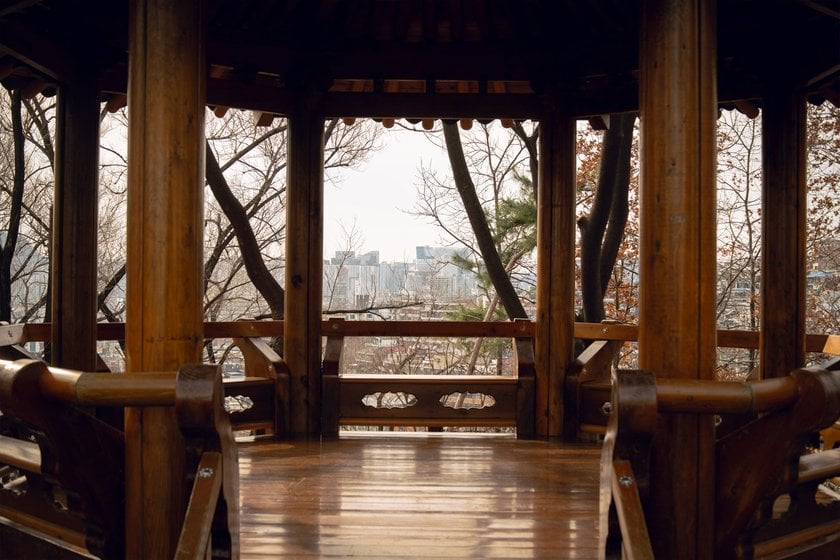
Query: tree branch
[(257, 271), (484, 238)]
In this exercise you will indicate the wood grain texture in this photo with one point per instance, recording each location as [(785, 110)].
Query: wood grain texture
[(783, 232), (419, 497), (554, 338), (262, 364), (677, 304), (304, 269), (167, 74), (75, 218), (206, 428), (77, 453), (195, 534)]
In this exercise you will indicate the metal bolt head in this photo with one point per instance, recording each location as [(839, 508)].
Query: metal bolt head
[(206, 472), (625, 480)]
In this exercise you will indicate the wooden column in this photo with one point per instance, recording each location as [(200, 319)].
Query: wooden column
[(75, 217), (554, 341), (782, 341), (678, 111), (304, 268), (166, 100)]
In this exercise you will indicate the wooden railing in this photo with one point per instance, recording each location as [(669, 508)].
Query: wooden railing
[(588, 382), (266, 383), (433, 401), (754, 465), (23, 333), (54, 450)]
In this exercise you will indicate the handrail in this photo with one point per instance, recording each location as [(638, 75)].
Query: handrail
[(725, 397), (631, 516), (103, 389), (108, 389), (22, 333), (21, 454), (30, 389), (195, 532), (819, 466), (768, 451)]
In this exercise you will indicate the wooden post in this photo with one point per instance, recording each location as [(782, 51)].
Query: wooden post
[(782, 339), (304, 268), (678, 112), (554, 337), (164, 330), (75, 218)]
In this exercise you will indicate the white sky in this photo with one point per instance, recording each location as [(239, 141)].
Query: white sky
[(378, 197)]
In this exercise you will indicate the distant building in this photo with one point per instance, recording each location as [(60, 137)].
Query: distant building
[(350, 278)]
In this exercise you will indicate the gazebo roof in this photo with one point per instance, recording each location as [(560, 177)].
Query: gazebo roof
[(384, 57)]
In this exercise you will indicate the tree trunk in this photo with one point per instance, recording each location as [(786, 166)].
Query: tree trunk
[(602, 230), (484, 238), (254, 265), (7, 251)]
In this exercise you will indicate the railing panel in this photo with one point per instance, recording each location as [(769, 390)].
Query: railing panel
[(428, 400)]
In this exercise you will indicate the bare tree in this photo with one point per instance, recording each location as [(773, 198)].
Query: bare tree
[(26, 182), (602, 229)]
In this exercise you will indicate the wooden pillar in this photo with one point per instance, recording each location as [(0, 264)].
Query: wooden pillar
[(678, 112), (166, 105), (783, 268), (304, 268), (555, 324), (75, 218)]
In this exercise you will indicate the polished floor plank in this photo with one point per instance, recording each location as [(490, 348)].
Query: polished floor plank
[(433, 496)]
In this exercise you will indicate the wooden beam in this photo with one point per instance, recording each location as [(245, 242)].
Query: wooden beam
[(38, 51), (165, 242), (462, 62), (269, 99), (783, 231), (304, 267), (75, 219), (20, 334), (678, 111), (554, 337), (116, 102), (11, 6)]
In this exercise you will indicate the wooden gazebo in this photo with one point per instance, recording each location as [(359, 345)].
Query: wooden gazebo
[(556, 61)]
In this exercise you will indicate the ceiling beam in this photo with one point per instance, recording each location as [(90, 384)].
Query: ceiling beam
[(11, 6), (37, 51), (826, 10), (228, 93), (437, 62)]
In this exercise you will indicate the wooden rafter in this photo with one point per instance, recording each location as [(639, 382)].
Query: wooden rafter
[(37, 51), (12, 6)]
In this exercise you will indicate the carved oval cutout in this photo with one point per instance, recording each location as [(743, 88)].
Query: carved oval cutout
[(238, 403), (389, 400), (467, 401)]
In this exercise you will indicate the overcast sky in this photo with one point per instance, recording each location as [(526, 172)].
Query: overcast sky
[(379, 196)]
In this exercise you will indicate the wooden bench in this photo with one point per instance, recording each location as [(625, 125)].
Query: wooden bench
[(767, 503), (62, 472), (265, 385), (433, 401), (587, 391)]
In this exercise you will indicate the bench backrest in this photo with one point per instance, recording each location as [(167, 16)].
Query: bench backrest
[(65, 468), (754, 465)]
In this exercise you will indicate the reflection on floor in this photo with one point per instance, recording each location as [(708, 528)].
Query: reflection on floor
[(420, 496)]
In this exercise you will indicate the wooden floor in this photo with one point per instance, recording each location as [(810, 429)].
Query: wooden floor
[(433, 496)]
